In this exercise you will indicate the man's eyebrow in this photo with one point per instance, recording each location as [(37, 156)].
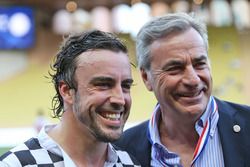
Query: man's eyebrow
[(108, 79), (178, 62), (200, 58), (101, 79), (172, 63)]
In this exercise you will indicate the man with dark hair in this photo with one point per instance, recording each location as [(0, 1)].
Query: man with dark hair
[(92, 79), (189, 126)]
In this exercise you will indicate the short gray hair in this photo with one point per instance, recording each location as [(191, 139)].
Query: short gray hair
[(160, 27)]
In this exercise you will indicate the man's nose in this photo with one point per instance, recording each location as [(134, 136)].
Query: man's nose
[(191, 77), (117, 96)]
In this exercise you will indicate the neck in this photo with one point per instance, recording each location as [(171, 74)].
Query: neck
[(179, 137), (81, 146), (177, 126), (177, 131)]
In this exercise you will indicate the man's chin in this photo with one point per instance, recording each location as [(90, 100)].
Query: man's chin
[(110, 136), (194, 110)]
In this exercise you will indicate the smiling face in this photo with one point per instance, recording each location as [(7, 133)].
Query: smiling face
[(180, 74), (102, 101)]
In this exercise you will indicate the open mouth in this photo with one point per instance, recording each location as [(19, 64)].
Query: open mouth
[(111, 119), (192, 94), (190, 97), (111, 116)]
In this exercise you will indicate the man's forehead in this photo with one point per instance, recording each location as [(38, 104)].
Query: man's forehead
[(95, 56)]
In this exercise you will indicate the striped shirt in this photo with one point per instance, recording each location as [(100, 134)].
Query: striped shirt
[(208, 151)]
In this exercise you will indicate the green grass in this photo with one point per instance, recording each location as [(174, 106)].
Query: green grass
[(3, 150)]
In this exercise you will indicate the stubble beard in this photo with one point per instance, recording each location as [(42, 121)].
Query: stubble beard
[(93, 126), (103, 136)]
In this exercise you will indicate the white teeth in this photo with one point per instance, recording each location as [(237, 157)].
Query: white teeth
[(112, 116)]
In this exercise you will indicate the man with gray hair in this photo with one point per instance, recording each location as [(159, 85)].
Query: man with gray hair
[(189, 126)]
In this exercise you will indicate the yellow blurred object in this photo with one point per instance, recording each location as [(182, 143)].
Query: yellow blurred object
[(71, 6)]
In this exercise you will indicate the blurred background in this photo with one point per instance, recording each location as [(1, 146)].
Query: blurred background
[(31, 32)]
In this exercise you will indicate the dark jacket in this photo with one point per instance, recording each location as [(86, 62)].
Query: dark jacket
[(236, 146)]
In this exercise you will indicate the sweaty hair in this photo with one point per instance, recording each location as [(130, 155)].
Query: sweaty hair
[(65, 65), (160, 27)]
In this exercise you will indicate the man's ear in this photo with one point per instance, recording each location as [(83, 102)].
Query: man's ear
[(66, 92), (146, 79)]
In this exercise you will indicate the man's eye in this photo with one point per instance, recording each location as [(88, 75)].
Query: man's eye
[(174, 68), (200, 65), (103, 85), (126, 85)]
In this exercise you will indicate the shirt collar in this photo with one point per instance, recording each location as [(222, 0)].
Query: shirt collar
[(112, 156), (48, 143), (200, 123), (153, 125), (160, 154), (210, 113)]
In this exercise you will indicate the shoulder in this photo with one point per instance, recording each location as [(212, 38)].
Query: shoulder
[(19, 155), (136, 143), (134, 134), (233, 109), (29, 153), (135, 140), (137, 130), (231, 114)]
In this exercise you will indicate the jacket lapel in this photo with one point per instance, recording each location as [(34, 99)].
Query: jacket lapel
[(229, 139)]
